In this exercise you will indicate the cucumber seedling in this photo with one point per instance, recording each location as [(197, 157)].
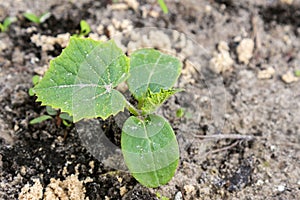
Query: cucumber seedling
[(6, 23), (37, 19), (82, 82)]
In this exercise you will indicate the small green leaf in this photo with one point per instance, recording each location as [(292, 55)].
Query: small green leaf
[(161, 197), (151, 69), (154, 100), (32, 17), (6, 23), (84, 28), (40, 119), (66, 116), (66, 123), (163, 6), (36, 79), (44, 17), (180, 112), (297, 73), (82, 79), (150, 149), (51, 111), (31, 92), (37, 19)]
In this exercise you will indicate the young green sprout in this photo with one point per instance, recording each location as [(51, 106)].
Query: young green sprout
[(37, 19), (82, 82), (6, 23), (84, 29), (163, 6)]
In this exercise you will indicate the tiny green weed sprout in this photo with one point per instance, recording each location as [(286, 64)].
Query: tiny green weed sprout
[(297, 73), (85, 29), (82, 82), (180, 112), (64, 117), (163, 6), (39, 119), (35, 80), (161, 197), (6, 23), (37, 19)]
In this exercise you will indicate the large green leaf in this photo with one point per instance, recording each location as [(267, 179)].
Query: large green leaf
[(150, 149), (151, 69), (81, 80)]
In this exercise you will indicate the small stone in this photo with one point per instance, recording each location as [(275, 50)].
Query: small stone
[(119, 179), (16, 127), (289, 2), (32, 192), (189, 189), (154, 13), (266, 73), (281, 188), (221, 60), (208, 9), (100, 29), (123, 190), (178, 196), (245, 50), (92, 166), (259, 182), (289, 77), (3, 45), (119, 6), (133, 4), (23, 170)]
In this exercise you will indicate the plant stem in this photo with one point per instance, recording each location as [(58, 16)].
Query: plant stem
[(132, 109)]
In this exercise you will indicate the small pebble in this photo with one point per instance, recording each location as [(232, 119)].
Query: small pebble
[(289, 77), (178, 196), (266, 73), (281, 188), (189, 189), (260, 182), (289, 2), (245, 50)]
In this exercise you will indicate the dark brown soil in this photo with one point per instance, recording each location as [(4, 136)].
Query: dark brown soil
[(235, 101)]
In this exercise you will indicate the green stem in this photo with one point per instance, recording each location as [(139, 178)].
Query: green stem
[(132, 109)]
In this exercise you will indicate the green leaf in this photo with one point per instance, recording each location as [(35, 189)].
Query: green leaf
[(66, 123), (66, 116), (84, 28), (163, 6), (44, 17), (297, 73), (31, 92), (154, 100), (180, 112), (51, 111), (82, 79), (40, 119), (6, 23), (36, 79), (32, 17), (150, 149), (37, 19), (151, 69)]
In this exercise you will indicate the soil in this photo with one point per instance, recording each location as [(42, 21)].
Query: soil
[(240, 59)]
